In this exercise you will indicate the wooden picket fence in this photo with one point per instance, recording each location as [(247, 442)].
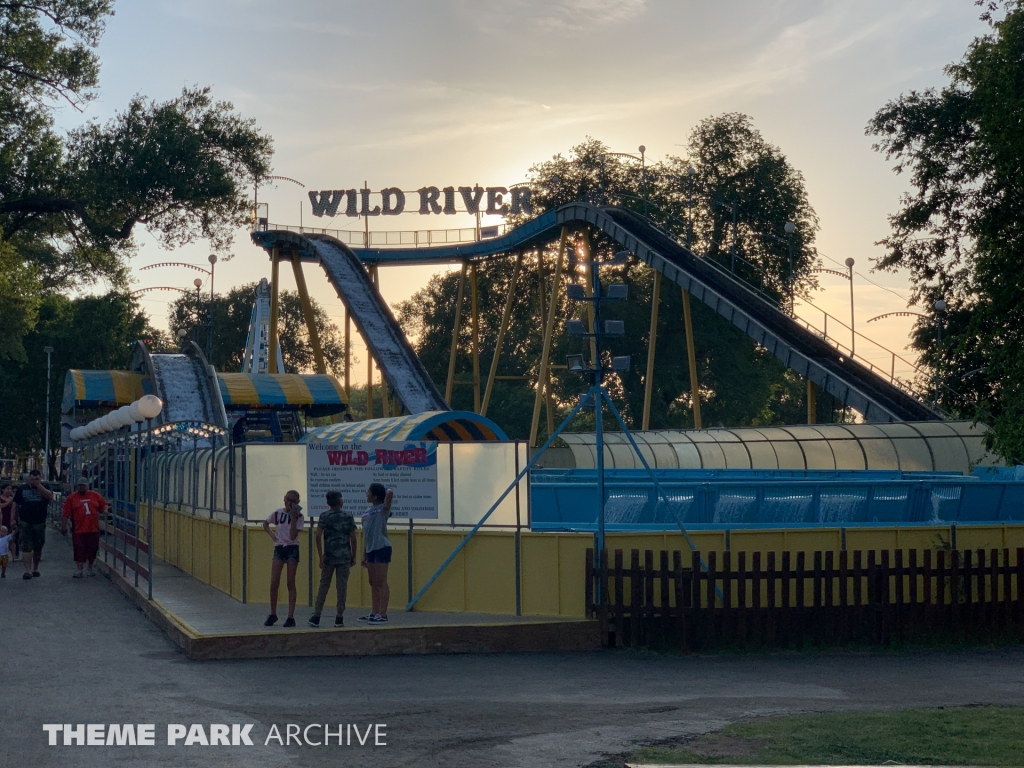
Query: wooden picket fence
[(875, 597)]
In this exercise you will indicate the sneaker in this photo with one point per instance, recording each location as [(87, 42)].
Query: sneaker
[(3, 575), (289, 622), (378, 619), (314, 621), (271, 621), (339, 622), (76, 575), (35, 574), (90, 572), (27, 575), (367, 617)]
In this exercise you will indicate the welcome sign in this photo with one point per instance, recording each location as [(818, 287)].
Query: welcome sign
[(410, 468), (391, 201)]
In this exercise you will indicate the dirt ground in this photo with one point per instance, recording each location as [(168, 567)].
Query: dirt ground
[(74, 651)]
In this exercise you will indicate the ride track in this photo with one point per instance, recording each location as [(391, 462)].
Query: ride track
[(800, 349)]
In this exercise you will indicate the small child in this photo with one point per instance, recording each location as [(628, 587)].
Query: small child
[(5, 550)]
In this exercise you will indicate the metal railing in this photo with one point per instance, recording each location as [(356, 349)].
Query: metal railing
[(415, 238)]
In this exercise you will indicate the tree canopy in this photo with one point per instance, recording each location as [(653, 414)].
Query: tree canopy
[(734, 169), (231, 314), (70, 203), (960, 230), (94, 332)]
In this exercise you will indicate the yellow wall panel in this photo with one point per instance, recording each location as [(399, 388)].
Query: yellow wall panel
[(540, 567), (572, 559), (490, 574), (430, 549)]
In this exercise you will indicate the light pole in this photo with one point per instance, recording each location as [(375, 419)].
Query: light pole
[(643, 176), (940, 308), (46, 449), (853, 334), (209, 319), (790, 230), (690, 173), (198, 283)]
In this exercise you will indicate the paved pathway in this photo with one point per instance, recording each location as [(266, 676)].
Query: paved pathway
[(75, 651)]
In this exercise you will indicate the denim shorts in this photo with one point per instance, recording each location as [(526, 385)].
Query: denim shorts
[(382, 555), (288, 554)]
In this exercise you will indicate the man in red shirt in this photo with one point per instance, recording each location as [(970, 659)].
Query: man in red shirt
[(84, 507)]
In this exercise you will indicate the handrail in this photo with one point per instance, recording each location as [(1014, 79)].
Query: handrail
[(403, 238)]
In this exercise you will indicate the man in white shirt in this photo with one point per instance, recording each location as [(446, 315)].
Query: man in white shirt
[(287, 522)]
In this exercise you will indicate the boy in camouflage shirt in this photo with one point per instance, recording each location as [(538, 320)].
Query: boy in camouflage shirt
[(336, 545)]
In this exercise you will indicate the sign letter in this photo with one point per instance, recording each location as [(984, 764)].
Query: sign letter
[(521, 202), (326, 202), (449, 201), (351, 209), (386, 195), (365, 193), (428, 200), (494, 205), (472, 197)]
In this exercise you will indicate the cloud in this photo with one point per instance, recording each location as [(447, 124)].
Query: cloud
[(552, 16)]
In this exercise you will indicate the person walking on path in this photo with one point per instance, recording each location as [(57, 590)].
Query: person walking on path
[(336, 546), (83, 508), (7, 515), (30, 504), (5, 550), (287, 522), (378, 550)]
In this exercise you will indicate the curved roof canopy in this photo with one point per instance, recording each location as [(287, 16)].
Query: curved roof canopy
[(953, 446), (443, 426), (102, 389), (320, 394)]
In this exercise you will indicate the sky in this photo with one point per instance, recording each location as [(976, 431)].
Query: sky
[(455, 92)]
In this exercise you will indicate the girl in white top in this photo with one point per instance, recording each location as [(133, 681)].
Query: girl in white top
[(377, 549)]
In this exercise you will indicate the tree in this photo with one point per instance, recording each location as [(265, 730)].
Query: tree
[(231, 314), (69, 204), (740, 382), (96, 332), (960, 231)]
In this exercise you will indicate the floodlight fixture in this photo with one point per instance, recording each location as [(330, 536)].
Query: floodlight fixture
[(575, 328), (614, 328), (621, 362), (617, 292), (575, 363), (621, 257), (576, 292)]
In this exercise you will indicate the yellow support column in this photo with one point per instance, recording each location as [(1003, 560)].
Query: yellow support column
[(812, 402), (369, 359), (307, 312), (275, 273), (455, 336), (691, 356), (542, 378), (505, 316), (475, 319), (652, 343)]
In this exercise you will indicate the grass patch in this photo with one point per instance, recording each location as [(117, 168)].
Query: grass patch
[(986, 736)]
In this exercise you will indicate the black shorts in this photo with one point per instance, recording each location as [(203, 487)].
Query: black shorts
[(31, 538), (287, 554), (382, 555)]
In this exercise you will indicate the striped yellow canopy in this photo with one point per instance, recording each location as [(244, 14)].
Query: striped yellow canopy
[(102, 389), (443, 426), (320, 392)]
